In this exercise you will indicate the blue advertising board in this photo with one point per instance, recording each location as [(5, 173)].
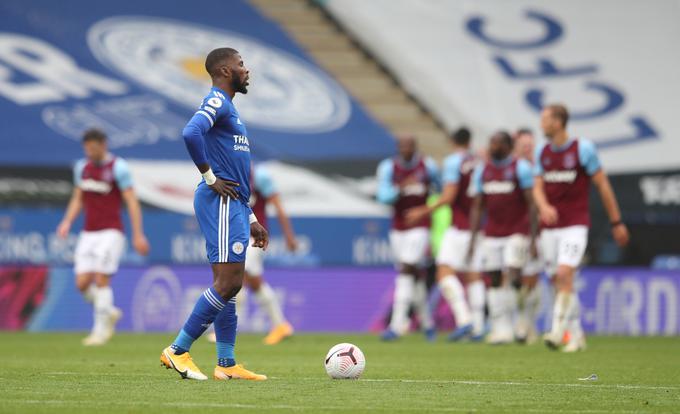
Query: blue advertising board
[(27, 235), (135, 69)]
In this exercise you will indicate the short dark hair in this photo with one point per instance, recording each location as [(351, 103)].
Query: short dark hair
[(524, 130), (560, 112), (461, 136), (506, 138), (217, 56), (94, 134)]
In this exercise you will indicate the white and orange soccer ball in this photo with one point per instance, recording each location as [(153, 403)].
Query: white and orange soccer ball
[(345, 361)]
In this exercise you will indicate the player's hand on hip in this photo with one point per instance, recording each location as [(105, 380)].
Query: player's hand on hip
[(548, 215), (63, 229), (260, 236), (621, 235), (141, 244), (225, 188)]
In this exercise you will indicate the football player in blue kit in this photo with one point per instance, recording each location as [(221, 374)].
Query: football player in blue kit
[(218, 144)]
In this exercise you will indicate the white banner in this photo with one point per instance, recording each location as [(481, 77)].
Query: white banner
[(492, 64)]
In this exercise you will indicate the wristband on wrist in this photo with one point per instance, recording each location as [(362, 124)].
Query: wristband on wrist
[(616, 223), (209, 177), (252, 218)]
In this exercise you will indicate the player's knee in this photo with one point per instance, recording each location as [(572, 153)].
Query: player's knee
[(409, 269), (496, 279), (253, 283), (444, 271), (83, 283), (101, 280), (227, 289)]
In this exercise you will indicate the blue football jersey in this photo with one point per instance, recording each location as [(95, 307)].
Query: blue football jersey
[(226, 140)]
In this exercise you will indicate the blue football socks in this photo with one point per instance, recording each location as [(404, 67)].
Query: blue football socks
[(207, 308)]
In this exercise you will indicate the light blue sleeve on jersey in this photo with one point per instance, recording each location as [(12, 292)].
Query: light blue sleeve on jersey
[(387, 191), (433, 173), (587, 155), (524, 175), (121, 172), (451, 169), (477, 179), (263, 182), (538, 167), (78, 172)]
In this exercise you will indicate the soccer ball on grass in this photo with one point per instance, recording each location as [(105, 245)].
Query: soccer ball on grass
[(345, 361)]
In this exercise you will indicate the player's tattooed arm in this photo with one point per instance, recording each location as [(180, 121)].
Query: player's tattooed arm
[(611, 206), (259, 235)]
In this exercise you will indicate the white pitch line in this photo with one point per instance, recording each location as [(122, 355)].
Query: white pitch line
[(259, 407), (417, 381), (262, 407), (506, 383)]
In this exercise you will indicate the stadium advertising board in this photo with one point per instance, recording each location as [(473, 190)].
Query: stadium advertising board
[(614, 300), (27, 236), (140, 77)]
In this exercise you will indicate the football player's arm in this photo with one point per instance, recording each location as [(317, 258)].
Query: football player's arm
[(265, 185), (591, 163), (193, 134), (387, 191), (449, 182), (547, 213), (124, 182), (526, 183), (475, 211), (284, 221), (75, 203)]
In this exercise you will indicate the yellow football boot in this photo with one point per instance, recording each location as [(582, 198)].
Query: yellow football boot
[(236, 372), (278, 334), (183, 364)]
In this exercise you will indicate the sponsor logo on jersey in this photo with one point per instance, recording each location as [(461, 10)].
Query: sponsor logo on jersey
[(166, 56), (415, 189), (560, 176), (498, 187), (95, 186), (241, 143)]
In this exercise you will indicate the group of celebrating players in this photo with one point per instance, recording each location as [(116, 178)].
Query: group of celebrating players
[(515, 213)]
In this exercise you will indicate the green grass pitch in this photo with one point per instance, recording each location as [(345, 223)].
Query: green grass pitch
[(53, 373)]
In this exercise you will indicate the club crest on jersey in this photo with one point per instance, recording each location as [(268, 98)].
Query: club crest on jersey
[(237, 248), (107, 175), (508, 174), (137, 46), (569, 160)]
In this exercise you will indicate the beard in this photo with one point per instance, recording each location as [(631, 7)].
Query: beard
[(240, 86), (498, 156)]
